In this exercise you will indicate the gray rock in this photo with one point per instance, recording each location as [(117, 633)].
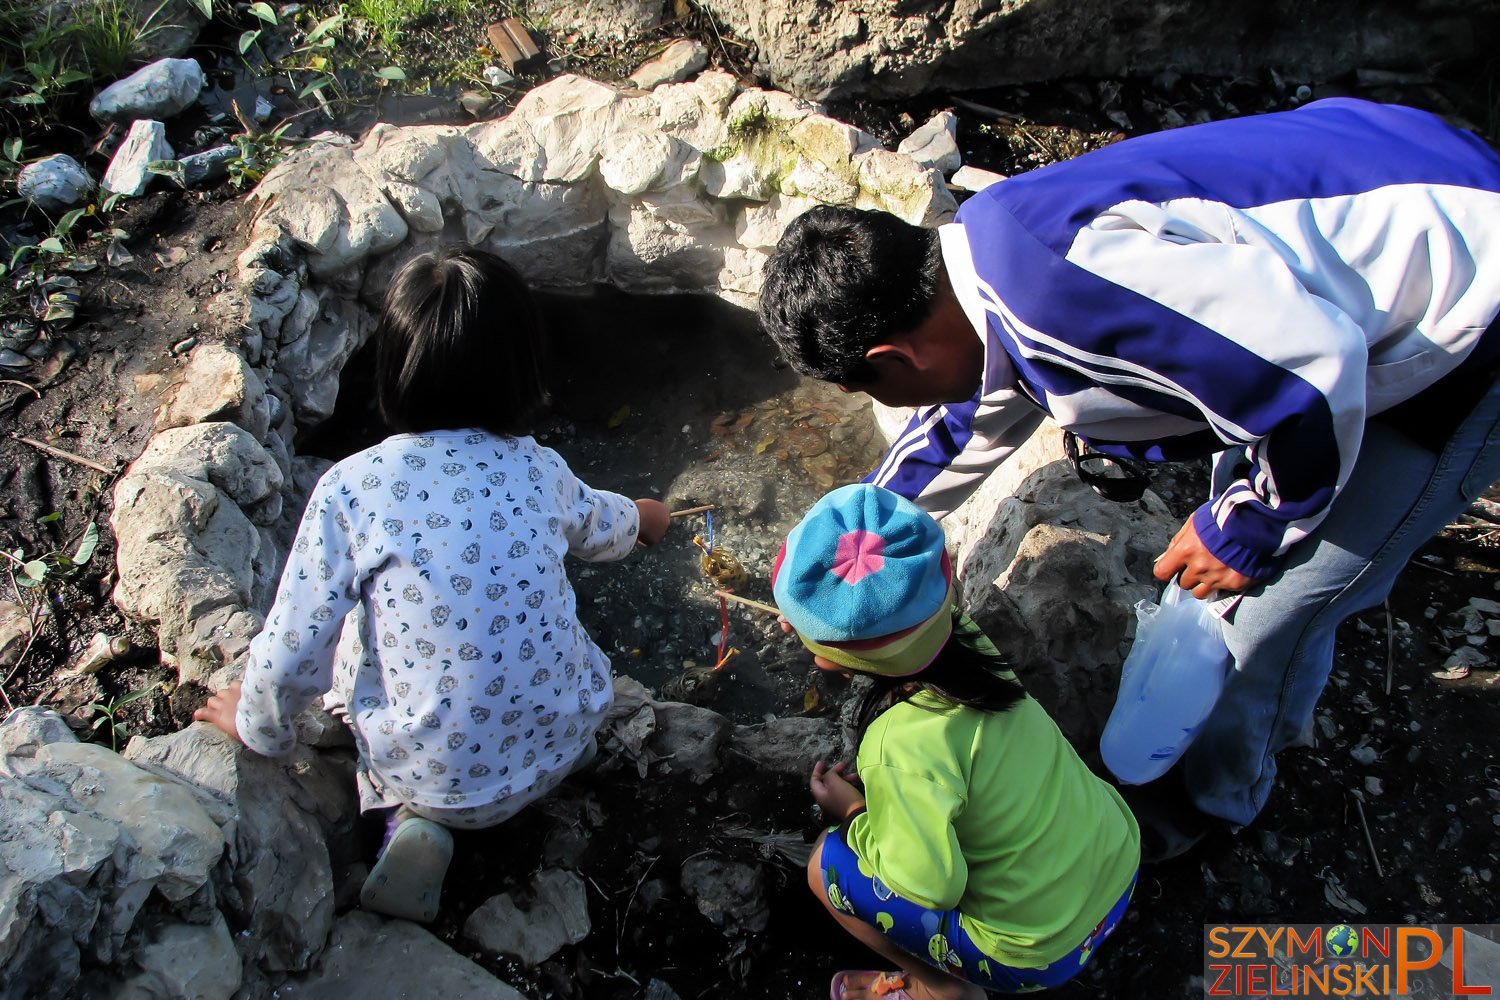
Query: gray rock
[(552, 914), (687, 740), (657, 989), (971, 178), (208, 166), (760, 226), (217, 384), (173, 27), (282, 813), (15, 632), (183, 551), (54, 183), (632, 161), (599, 20), (1052, 572), (224, 454), (935, 144), (371, 957), (161, 90), (87, 837), (185, 960), (729, 893), (883, 51), (789, 746), (31, 727), (678, 61), (127, 174)]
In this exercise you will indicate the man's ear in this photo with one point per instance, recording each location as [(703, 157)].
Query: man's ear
[(901, 352)]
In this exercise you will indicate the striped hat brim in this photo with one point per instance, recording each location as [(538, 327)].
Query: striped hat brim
[(900, 655)]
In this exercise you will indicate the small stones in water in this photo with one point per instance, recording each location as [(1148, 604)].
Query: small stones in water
[(1364, 755)]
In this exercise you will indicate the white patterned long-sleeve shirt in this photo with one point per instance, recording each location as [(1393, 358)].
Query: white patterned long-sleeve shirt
[(426, 586)]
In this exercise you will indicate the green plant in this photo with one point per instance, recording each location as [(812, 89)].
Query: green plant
[(311, 66), (10, 159), (258, 153), (108, 34), (46, 79), (34, 258), (108, 712), (387, 19), (36, 571), (266, 15), (29, 575)]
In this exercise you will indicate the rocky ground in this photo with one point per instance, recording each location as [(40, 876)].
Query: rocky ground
[(1390, 816)]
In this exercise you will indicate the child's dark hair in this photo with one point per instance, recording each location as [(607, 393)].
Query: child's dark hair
[(966, 672), (460, 344), (843, 280)]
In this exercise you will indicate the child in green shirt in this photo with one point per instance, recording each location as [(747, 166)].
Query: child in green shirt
[(982, 854)]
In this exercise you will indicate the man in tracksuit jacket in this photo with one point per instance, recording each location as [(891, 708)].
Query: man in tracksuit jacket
[(1312, 294)]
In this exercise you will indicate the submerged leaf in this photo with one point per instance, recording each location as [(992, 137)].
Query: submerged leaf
[(811, 698)]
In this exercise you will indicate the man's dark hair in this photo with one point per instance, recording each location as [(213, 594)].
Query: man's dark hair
[(460, 344), (841, 281)]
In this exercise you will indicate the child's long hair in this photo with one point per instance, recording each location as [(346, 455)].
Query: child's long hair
[(965, 673), (460, 344)]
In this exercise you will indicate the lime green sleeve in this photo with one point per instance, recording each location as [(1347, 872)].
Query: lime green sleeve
[(905, 836)]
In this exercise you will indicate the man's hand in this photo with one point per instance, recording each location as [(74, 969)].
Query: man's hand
[(220, 710), (832, 792), (1202, 572)]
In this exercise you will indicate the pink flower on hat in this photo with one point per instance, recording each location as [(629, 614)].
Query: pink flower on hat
[(859, 554)]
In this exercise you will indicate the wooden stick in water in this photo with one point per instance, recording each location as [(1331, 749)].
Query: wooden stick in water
[(694, 510), (767, 608)]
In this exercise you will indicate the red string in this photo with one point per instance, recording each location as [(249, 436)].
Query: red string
[(723, 631)]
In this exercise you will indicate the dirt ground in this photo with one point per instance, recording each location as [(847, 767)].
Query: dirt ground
[(1390, 816)]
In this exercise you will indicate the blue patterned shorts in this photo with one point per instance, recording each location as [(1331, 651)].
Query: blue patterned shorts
[(936, 936)]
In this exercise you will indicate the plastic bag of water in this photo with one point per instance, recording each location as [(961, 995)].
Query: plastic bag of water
[(1168, 685)]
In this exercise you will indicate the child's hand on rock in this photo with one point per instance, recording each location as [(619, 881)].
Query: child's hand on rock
[(655, 520), (220, 709)]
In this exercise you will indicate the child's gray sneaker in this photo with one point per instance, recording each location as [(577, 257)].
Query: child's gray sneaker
[(407, 880)]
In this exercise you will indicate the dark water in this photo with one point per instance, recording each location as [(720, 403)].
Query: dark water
[(680, 398)]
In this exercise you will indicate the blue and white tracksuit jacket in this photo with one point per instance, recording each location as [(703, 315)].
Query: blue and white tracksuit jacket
[(1263, 283)]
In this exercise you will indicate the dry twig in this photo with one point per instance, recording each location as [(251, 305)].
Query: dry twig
[(767, 608), (694, 510), (1390, 645), (1369, 840), (57, 452)]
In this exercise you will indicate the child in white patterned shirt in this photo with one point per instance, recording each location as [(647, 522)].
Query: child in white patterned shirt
[(425, 597)]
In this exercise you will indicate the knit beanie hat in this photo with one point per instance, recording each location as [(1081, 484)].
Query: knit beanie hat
[(866, 583)]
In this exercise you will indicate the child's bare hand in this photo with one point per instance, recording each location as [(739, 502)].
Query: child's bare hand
[(220, 709), (655, 519), (832, 792)]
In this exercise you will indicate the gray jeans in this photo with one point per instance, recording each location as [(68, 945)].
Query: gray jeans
[(1281, 633)]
